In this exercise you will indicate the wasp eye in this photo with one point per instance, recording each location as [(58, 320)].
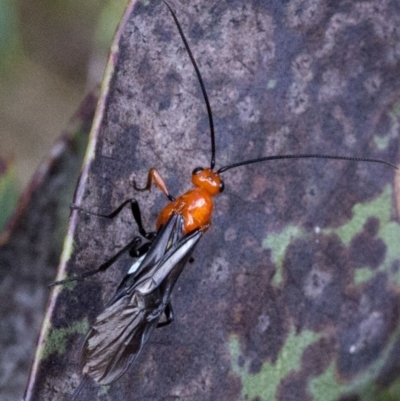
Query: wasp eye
[(221, 187), (197, 170)]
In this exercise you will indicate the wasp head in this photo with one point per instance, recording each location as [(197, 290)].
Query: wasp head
[(207, 179)]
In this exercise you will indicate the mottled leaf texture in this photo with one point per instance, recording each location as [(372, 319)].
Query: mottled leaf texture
[(294, 291)]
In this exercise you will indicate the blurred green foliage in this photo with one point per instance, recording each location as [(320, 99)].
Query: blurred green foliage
[(9, 33), (51, 53), (8, 192)]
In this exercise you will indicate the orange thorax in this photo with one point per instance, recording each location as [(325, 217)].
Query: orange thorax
[(195, 206)]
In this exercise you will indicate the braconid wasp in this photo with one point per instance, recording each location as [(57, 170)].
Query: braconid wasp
[(142, 301)]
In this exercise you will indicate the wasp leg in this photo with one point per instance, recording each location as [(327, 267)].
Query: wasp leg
[(140, 251), (132, 246), (137, 215), (154, 176), (169, 315)]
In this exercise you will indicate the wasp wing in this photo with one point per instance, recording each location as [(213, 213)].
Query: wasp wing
[(168, 237), (115, 336), (121, 330)]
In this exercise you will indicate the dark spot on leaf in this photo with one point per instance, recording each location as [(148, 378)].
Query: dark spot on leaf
[(293, 388), (371, 226), (365, 249), (241, 361), (164, 34), (261, 328), (391, 371), (255, 366), (367, 326), (134, 131), (144, 66), (165, 103), (173, 78), (317, 356), (197, 31), (395, 266), (315, 275)]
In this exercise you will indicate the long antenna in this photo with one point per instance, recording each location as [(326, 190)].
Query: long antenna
[(305, 156), (261, 159), (203, 89)]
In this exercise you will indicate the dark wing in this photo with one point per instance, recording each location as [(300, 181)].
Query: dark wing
[(168, 236), (129, 319), (115, 339)]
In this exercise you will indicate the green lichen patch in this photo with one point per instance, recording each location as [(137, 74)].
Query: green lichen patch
[(388, 232), (56, 342), (378, 208), (264, 384), (364, 386)]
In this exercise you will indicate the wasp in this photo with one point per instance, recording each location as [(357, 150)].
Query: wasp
[(142, 300)]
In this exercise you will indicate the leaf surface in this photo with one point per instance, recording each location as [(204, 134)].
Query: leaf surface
[(294, 291)]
